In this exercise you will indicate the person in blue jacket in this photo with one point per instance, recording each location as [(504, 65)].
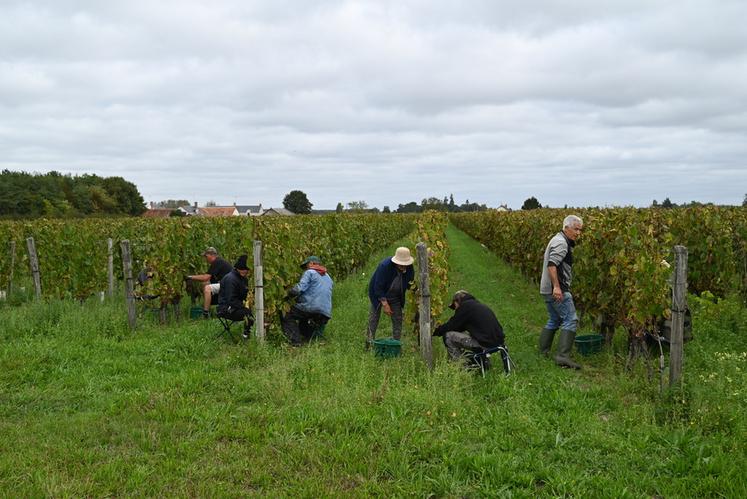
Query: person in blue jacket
[(313, 306), (386, 291)]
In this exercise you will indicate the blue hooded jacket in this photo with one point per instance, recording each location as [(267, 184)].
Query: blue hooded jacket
[(382, 280), (314, 292)]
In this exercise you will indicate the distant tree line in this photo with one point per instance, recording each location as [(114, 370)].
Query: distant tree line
[(56, 195), (172, 203), (446, 204), (667, 203)]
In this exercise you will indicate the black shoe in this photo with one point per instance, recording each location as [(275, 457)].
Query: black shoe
[(206, 314), (245, 335)]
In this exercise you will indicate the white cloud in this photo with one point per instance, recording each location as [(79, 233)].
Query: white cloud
[(384, 101)]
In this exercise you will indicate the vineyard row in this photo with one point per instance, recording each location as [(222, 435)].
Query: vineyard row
[(73, 254), (624, 258)]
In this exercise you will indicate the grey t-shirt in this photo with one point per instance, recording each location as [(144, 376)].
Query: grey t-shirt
[(559, 252)]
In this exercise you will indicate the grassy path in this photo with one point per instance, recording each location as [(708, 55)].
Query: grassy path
[(88, 409)]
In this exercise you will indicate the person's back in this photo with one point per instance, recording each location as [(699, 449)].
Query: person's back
[(481, 323), (316, 292), (474, 317), (218, 270)]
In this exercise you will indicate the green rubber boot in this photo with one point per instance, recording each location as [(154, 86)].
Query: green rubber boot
[(545, 341), (565, 344)]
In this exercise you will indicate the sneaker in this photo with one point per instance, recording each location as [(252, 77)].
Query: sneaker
[(206, 314), (245, 335)]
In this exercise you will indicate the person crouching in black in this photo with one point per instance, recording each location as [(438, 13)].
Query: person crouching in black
[(232, 294), (472, 328)]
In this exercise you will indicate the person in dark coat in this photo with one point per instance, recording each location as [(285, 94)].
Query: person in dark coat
[(232, 295), (472, 328), (386, 291)]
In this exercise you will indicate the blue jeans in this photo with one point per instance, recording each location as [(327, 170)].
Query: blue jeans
[(561, 314)]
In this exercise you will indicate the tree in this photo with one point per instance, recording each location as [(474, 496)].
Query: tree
[(744, 203), (211, 204), (57, 195), (357, 206), (452, 205), (667, 203), (340, 208), (297, 202), (173, 203), (125, 194), (411, 207), (531, 204), (467, 206), (433, 203), (386, 210)]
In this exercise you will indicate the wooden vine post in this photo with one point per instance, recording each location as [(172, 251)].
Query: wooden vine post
[(424, 306), (110, 266), (12, 266), (679, 304), (259, 297), (34, 263), (129, 288)]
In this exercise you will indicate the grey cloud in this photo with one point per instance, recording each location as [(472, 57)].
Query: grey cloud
[(384, 101)]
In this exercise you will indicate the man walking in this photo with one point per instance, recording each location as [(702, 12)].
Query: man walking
[(555, 288), (386, 291), (313, 302)]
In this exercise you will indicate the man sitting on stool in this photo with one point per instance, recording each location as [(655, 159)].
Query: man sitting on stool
[(472, 328), (218, 268), (233, 290), (313, 301)]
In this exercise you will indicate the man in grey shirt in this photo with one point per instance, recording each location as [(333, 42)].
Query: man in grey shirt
[(555, 288)]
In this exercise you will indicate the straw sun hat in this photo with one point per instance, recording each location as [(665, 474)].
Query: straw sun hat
[(402, 256)]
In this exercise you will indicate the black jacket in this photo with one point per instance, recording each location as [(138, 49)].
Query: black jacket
[(233, 291), (478, 320)]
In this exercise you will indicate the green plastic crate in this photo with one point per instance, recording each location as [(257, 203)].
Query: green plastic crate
[(195, 313), (589, 343), (387, 348)]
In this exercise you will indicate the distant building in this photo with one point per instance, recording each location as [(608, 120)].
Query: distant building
[(240, 210), (503, 207), (323, 212), (249, 210), (218, 211), (277, 212), (189, 210), (157, 213)]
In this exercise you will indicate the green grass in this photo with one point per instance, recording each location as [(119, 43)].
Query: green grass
[(89, 409)]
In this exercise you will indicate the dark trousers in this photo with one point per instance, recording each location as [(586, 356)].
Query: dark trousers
[(458, 344), (374, 314), (298, 324), (239, 314)]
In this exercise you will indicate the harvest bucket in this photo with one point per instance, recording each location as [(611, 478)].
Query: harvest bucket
[(195, 313), (387, 348), (589, 344)]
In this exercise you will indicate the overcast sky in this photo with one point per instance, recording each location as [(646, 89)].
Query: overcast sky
[(580, 103)]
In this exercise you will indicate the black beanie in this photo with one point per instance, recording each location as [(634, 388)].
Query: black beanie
[(241, 263)]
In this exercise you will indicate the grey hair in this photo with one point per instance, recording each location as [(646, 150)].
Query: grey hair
[(572, 220)]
